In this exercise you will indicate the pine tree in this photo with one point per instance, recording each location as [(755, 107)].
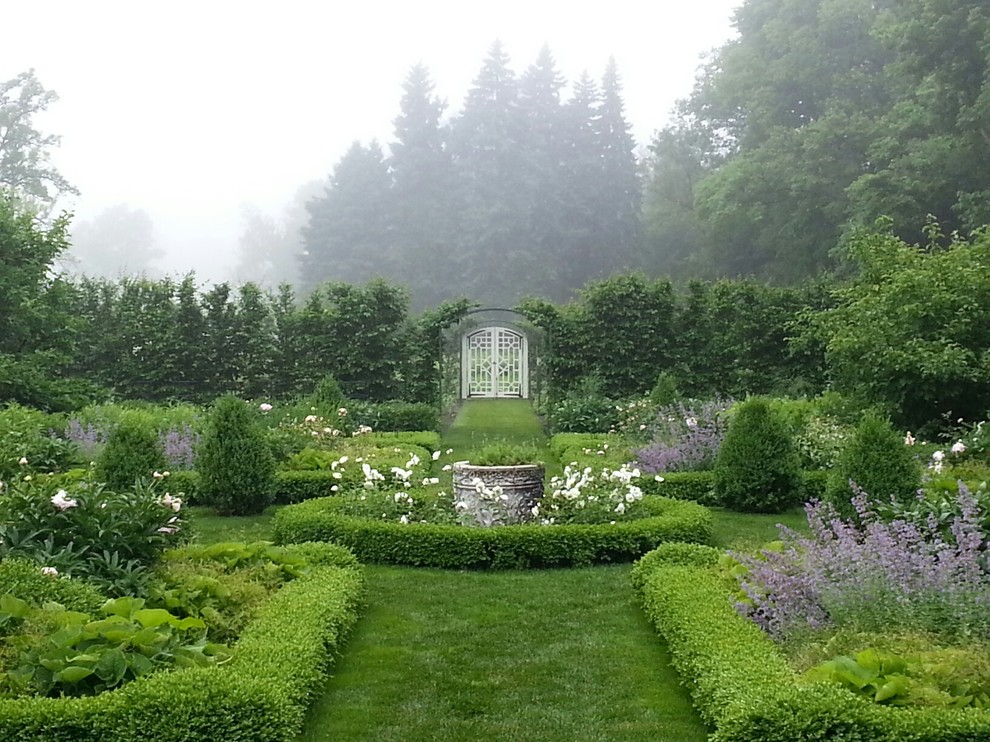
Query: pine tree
[(348, 234), (545, 163), (493, 255), (422, 198), (619, 197)]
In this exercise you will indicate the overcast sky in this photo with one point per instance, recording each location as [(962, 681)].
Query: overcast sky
[(190, 109)]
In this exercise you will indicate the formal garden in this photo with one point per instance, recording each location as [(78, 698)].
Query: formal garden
[(239, 517)]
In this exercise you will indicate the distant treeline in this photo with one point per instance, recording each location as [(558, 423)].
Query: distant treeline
[(819, 117), (521, 193)]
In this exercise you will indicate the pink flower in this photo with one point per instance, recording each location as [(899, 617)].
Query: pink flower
[(265, 407), (958, 447)]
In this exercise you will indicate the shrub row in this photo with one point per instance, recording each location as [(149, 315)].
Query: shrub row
[(23, 579), (699, 486), (396, 416), (261, 695), (507, 547), (742, 684), (584, 448)]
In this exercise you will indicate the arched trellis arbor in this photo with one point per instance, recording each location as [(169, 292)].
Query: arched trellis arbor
[(493, 352)]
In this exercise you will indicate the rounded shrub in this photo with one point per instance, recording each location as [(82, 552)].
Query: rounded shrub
[(234, 461), (757, 469), (132, 452), (876, 460)]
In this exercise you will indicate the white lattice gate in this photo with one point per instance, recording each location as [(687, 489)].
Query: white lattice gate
[(494, 363)]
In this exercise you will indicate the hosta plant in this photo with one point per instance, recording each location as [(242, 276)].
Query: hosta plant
[(80, 655)]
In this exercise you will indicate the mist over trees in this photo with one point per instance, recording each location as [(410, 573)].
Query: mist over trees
[(25, 168), (521, 193), (821, 115), (116, 242)]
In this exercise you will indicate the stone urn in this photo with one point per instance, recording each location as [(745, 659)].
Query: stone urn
[(497, 495)]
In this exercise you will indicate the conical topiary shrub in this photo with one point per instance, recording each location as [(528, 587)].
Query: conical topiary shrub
[(132, 452), (757, 469), (879, 462), (235, 464)]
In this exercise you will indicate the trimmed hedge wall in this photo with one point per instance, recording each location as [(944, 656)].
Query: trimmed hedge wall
[(261, 695), (290, 486), (743, 686), (506, 547)]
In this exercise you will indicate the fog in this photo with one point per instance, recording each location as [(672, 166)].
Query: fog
[(190, 112)]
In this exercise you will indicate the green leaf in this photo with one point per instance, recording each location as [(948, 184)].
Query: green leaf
[(895, 686), (153, 617), (73, 674), (111, 667)]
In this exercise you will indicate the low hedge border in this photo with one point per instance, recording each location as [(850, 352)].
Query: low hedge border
[(743, 686), (505, 547), (261, 695)]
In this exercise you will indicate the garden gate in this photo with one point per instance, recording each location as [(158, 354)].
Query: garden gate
[(494, 363)]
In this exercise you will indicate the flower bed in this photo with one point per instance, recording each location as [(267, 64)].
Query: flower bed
[(260, 695), (741, 682), (518, 546)]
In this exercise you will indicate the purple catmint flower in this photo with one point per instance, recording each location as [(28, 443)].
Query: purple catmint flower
[(685, 437), (873, 575), (179, 446)]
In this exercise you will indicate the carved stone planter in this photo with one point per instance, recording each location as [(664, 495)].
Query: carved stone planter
[(507, 494)]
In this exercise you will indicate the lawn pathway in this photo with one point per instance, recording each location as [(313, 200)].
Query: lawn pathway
[(530, 655)]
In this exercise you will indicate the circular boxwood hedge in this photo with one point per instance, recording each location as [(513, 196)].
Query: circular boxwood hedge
[(500, 547)]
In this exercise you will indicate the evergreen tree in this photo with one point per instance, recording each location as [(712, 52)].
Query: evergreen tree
[(493, 254), (579, 262), (422, 198), (348, 237), (545, 163), (619, 195)]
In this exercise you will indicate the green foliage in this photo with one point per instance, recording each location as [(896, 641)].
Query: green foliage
[(743, 686), (86, 657), (37, 325), (396, 416), (235, 465), (584, 410), (24, 579), (910, 332), (763, 167), (110, 538), (664, 391), (876, 459), (512, 547), (757, 469), (506, 454), (24, 432), (132, 453), (326, 398), (259, 696)]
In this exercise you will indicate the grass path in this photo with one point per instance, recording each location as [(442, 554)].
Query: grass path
[(481, 421), (535, 655)]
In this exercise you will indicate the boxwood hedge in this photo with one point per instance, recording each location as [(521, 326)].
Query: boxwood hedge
[(743, 686), (514, 547), (261, 695)]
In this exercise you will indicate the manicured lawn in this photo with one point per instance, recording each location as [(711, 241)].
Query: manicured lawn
[(531, 655), (745, 531), (482, 421), (209, 528), (536, 655)]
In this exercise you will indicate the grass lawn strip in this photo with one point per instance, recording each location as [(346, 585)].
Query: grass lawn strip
[(538, 655)]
